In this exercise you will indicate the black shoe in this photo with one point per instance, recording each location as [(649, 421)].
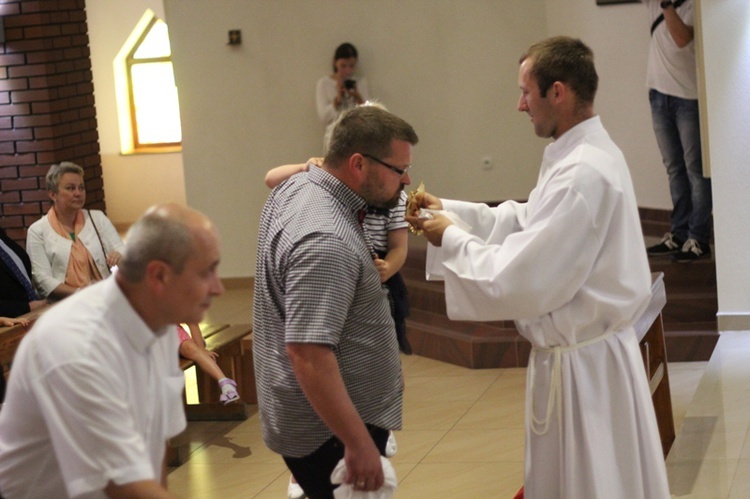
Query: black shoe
[(692, 250), (669, 245)]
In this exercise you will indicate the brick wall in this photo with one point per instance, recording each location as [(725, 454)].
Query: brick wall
[(47, 112)]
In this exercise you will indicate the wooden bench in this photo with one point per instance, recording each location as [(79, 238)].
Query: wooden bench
[(650, 330), (236, 362), (235, 359), (10, 338), (233, 343)]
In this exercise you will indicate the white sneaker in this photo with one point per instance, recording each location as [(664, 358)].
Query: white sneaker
[(294, 491), (391, 447)]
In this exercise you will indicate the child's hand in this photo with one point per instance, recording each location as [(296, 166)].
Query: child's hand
[(7, 322), (213, 355), (113, 258), (383, 268)]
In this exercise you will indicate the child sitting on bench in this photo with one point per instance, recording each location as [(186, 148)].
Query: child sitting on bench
[(193, 347)]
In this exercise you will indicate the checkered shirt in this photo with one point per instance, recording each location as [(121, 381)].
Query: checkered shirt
[(316, 283)]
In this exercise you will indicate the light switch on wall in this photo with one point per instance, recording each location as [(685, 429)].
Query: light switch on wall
[(235, 37)]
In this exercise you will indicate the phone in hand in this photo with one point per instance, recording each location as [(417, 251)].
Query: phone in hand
[(350, 84)]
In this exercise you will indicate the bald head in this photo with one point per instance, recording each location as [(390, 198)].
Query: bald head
[(167, 232)]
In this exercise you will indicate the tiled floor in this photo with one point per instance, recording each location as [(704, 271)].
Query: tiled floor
[(463, 433), (711, 455)]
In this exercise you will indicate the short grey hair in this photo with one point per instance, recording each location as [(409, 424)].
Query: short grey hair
[(55, 173), (155, 237)]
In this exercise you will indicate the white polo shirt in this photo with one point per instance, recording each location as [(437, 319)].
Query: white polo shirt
[(93, 396)]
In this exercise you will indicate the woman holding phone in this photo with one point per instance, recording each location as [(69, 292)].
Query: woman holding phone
[(341, 89)]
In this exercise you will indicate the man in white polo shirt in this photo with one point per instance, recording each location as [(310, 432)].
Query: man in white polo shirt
[(95, 390)]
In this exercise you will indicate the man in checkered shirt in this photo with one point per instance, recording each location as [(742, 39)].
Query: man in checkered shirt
[(327, 361)]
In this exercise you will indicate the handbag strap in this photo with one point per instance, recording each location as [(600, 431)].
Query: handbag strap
[(97, 234), (659, 19)]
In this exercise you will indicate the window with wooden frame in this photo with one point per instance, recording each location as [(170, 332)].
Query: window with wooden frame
[(149, 109)]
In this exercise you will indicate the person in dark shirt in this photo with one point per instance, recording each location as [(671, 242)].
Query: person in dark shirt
[(16, 296)]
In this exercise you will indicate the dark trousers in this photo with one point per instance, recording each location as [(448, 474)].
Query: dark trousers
[(398, 299), (313, 472)]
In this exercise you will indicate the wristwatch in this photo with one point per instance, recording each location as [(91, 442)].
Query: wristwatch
[(666, 3)]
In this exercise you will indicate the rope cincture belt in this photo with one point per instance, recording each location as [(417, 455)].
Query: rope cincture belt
[(554, 399), (541, 426)]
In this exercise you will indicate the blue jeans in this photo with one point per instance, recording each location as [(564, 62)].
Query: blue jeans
[(677, 128)]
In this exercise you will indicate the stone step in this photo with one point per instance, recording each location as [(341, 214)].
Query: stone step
[(493, 329), (469, 344), (678, 276), (695, 306), (690, 345), (689, 315)]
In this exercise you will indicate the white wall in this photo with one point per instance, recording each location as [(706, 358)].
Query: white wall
[(447, 66), (131, 183), (727, 80), (619, 36)]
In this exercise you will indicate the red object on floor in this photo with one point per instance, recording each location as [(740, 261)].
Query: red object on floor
[(519, 495)]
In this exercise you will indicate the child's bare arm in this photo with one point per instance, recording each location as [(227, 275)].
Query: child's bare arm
[(197, 335), (398, 241), (277, 175), (10, 321)]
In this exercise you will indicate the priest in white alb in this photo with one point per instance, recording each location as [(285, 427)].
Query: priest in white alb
[(569, 267)]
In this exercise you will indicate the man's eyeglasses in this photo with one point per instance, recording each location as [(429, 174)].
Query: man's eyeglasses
[(401, 171)]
